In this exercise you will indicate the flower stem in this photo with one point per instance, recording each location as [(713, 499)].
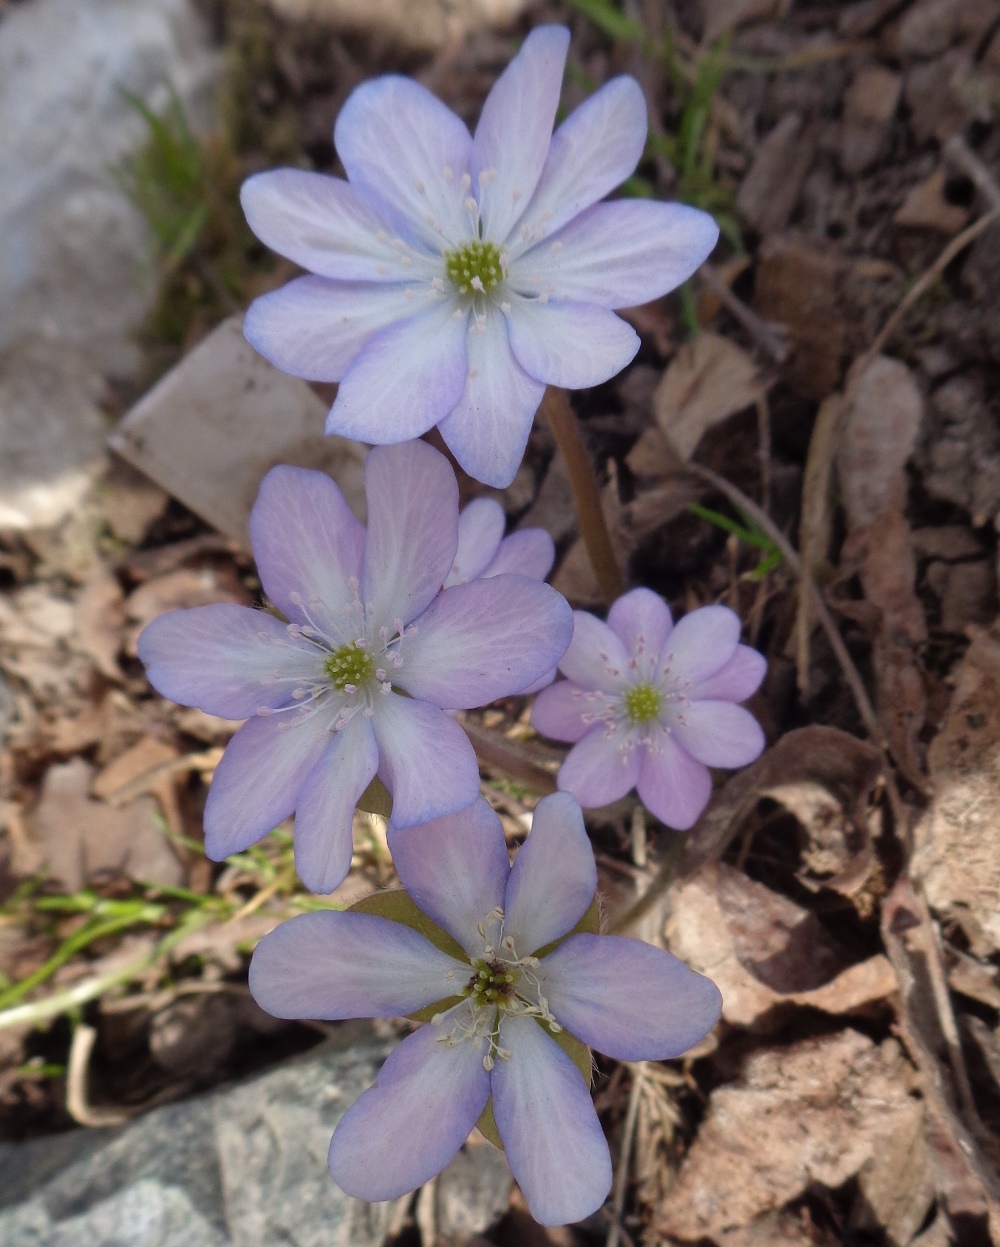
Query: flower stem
[(586, 493)]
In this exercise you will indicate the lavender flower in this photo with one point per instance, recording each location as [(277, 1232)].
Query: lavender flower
[(507, 1002), (650, 705), (453, 277), (368, 620), (484, 551)]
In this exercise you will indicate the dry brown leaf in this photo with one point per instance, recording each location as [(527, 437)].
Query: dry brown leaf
[(133, 764), (765, 953), (957, 853), (819, 1112), (925, 207), (179, 590), (81, 836), (100, 620), (724, 15), (770, 190), (709, 379)]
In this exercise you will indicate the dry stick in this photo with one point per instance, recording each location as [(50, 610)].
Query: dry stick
[(501, 755), (771, 339), (625, 1157), (586, 493), (77, 1102)]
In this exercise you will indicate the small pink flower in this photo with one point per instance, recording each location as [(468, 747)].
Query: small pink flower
[(652, 706)]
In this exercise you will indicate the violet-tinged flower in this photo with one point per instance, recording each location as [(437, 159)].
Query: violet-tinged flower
[(368, 621), (453, 277), (507, 1003), (651, 705)]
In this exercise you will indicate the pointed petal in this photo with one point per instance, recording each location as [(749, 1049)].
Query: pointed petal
[(396, 139), (323, 224), (720, 733), (412, 529), (601, 768), (554, 876), (641, 616), (226, 659), (567, 712), (409, 1125), (739, 679), (405, 378), (628, 999), (551, 1135), (308, 545), (332, 966), (258, 781), (618, 254), (672, 785), (455, 869), (530, 552), (594, 150), (314, 327), (515, 128), (702, 643), (426, 760), (487, 429), (484, 640), (596, 657), (480, 531), (573, 345), (324, 813)]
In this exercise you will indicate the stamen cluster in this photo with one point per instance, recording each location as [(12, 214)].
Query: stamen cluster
[(474, 267)]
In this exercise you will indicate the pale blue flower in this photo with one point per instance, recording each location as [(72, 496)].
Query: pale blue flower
[(454, 277)]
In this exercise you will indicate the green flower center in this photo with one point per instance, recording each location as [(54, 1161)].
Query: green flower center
[(491, 984), (349, 665), (476, 266), (642, 703)]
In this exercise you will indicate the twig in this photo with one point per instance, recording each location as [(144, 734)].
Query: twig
[(77, 1104), (501, 755), (766, 525), (625, 1156), (586, 493), (771, 339)]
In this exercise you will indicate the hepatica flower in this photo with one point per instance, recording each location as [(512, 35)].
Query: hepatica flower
[(511, 995), (452, 277), (484, 551), (356, 683), (652, 705)]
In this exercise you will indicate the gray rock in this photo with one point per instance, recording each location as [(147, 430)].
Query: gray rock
[(75, 271)]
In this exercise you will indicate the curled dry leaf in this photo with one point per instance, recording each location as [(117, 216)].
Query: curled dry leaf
[(839, 763), (957, 848), (100, 620), (822, 1111), (767, 953), (709, 379)]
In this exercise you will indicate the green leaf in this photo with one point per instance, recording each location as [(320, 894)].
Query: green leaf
[(376, 799), (397, 906)]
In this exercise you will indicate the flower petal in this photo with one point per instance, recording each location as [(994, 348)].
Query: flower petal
[(480, 531), (483, 640), (314, 327), (702, 643), (455, 869), (628, 999), (332, 966), (551, 1135), (412, 529), (574, 345), (487, 429), (594, 150), (323, 224), (425, 760), (257, 783), (515, 128), (405, 378), (601, 768), (308, 546), (739, 679), (530, 552), (618, 254), (409, 1125), (672, 785), (641, 618), (398, 140), (554, 876), (596, 657), (225, 659), (720, 733), (324, 813), (566, 711)]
